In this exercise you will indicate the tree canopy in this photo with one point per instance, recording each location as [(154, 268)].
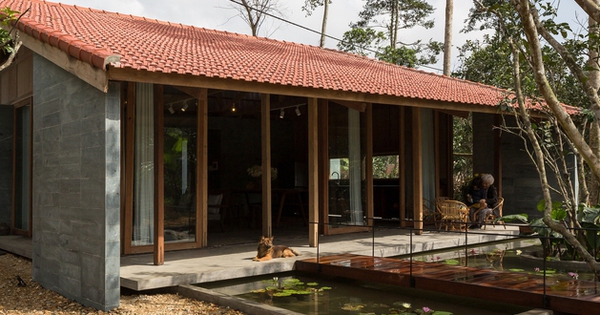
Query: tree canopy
[(378, 30)]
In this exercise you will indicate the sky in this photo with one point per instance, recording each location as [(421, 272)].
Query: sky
[(220, 15)]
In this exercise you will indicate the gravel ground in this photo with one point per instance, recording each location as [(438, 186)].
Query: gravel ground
[(33, 299)]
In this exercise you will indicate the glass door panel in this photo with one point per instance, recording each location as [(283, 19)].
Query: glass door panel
[(180, 139), (143, 167), (346, 167), (22, 175)]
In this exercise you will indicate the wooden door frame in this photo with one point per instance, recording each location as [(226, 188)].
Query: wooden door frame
[(18, 105)]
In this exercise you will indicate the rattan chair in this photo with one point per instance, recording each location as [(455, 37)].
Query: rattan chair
[(452, 213)]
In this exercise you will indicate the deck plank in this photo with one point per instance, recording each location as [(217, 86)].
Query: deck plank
[(562, 295)]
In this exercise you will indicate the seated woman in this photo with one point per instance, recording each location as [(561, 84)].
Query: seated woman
[(487, 203)]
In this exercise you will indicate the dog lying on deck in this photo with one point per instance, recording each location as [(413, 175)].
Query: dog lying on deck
[(267, 251)]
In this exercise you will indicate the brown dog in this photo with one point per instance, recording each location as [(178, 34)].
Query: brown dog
[(268, 251)]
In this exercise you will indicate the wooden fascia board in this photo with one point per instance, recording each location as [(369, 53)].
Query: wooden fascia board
[(356, 99), (93, 76)]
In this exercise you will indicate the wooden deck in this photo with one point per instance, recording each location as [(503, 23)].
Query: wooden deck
[(568, 296)]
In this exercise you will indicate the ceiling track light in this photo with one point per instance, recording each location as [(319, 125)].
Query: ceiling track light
[(298, 112), (281, 113), (171, 110), (184, 107), (233, 109)]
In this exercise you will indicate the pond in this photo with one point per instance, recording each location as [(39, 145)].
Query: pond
[(310, 294)]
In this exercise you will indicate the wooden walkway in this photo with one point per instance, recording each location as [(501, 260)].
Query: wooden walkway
[(569, 296)]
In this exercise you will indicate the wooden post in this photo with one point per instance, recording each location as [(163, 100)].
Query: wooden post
[(159, 183), (313, 172), (202, 169), (417, 171), (436, 152), (265, 101), (401, 163), (323, 117)]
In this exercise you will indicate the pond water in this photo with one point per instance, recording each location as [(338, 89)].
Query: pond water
[(316, 294), (310, 294), (507, 256)]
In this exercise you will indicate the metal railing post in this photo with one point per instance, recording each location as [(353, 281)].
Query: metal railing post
[(318, 249), (544, 296), (466, 245), (411, 279), (373, 240)]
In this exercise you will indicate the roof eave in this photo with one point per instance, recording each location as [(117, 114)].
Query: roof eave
[(189, 80), (92, 75)]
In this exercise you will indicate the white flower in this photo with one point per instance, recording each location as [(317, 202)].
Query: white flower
[(519, 252), (406, 305)]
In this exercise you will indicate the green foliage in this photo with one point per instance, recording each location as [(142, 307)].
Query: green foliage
[(523, 218), (289, 287), (361, 40), (385, 166), (489, 61), (463, 155), (310, 5), (7, 16), (392, 16), (558, 211)]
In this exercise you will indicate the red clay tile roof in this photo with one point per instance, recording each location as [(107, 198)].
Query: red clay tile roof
[(94, 36)]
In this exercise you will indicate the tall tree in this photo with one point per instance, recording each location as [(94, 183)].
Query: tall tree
[(448, 36), (523, 25), (381, 21), (594, 80), (255, 12), (310, 6)]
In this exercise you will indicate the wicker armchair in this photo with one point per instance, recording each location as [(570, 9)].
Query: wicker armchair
[(452, 213)]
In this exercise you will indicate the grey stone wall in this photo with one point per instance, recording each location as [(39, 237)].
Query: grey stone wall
[(76, 147), (6, 147), (521, 187)]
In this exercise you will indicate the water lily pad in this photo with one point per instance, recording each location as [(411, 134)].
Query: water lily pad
[(294, 281), (452, 262), (516, 269), (312, 284), (282, 294)]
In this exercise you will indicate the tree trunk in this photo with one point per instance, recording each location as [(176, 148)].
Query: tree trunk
[(8, 61), (448, 36), (594, 81), (531, 33), (324, 23)]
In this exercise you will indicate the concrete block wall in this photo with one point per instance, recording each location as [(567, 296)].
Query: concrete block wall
[(521, 187), (76, 210), (6, 152)]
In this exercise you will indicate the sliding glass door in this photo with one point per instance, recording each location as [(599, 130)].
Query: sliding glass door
[(347, 177), (161, 151)]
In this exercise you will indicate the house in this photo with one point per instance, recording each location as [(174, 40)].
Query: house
[(115, 130)]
